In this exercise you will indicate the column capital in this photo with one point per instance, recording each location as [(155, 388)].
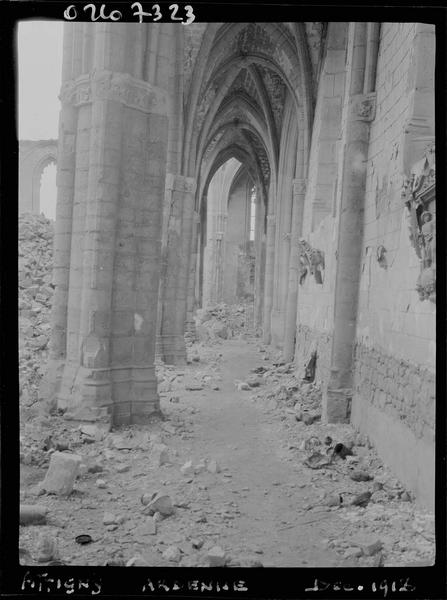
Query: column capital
[(115, 86)]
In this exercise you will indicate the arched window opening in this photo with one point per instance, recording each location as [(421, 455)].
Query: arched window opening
[(48, 192), (252, 213)]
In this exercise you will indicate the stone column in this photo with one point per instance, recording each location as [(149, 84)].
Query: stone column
[(299, 192), (180, 201), (359, 112), (65, 183), (259, 259), (269, 272), (191, 299), (115, 246)]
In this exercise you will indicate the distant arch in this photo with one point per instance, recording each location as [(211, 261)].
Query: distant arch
[(34, 157)]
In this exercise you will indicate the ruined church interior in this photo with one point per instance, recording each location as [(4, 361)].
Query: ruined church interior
[(228, 329)]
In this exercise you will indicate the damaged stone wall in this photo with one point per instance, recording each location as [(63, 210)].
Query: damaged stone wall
[(315, 300), (395, 358)]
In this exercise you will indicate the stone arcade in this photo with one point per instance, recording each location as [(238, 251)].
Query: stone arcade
[(288, 162)]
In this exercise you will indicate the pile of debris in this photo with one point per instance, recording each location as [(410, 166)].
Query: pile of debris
[(345, 473), (224, 321), (35, 297), (203, 372)]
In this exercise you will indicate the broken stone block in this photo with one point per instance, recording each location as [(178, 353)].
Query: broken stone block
[(369, 547), (33, 514), (122, 468), (353, 552), (362, 499), (253, 381), (159, 454), (158, 503), (200, 466), (172, 553), (101, 484), (187, 468), (137, 561), (46, 548), (92, 431), (213, 466), (148, 527), (109, 519), (62, 473), (216, 557), (243, 386), (310, 417), (196, 543), (359, 475)]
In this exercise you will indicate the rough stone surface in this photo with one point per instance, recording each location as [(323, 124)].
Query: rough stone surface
[(61, 474)]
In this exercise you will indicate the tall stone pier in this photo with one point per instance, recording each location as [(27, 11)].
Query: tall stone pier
[(111, 179)]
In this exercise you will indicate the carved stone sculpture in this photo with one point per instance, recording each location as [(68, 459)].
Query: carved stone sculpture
[(419, 197), (311, 260)]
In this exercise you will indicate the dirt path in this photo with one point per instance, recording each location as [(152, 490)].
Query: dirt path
[(268, 488), (263, 507)]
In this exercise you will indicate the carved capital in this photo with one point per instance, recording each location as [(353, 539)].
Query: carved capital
[(363, 107), (118, 87)]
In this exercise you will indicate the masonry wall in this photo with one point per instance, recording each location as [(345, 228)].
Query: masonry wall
[(395, 352), (315, 301)]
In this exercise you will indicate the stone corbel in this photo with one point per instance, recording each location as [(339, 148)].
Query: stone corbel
[(363, 107)]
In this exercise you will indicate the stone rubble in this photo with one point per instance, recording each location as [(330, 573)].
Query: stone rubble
[(35, 249), (174, 520)]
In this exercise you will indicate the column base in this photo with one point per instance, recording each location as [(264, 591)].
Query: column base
[(173, 349), (337, 405), (123, 395)]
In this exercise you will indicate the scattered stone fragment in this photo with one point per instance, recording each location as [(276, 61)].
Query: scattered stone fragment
[(317, 461), (362, 499), (33, 514), (187, 468), (216, 557), (109, 519), (46, 548), (200, 466), (148, 527), (172, 553), (62, 473), (122, 468), (359, 475), (242, 386), (197, 543), (353, 552), (213, 466), (369, 547), (158, 503), (309, 418), (159, 454), (137, 561), (101, 484)]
